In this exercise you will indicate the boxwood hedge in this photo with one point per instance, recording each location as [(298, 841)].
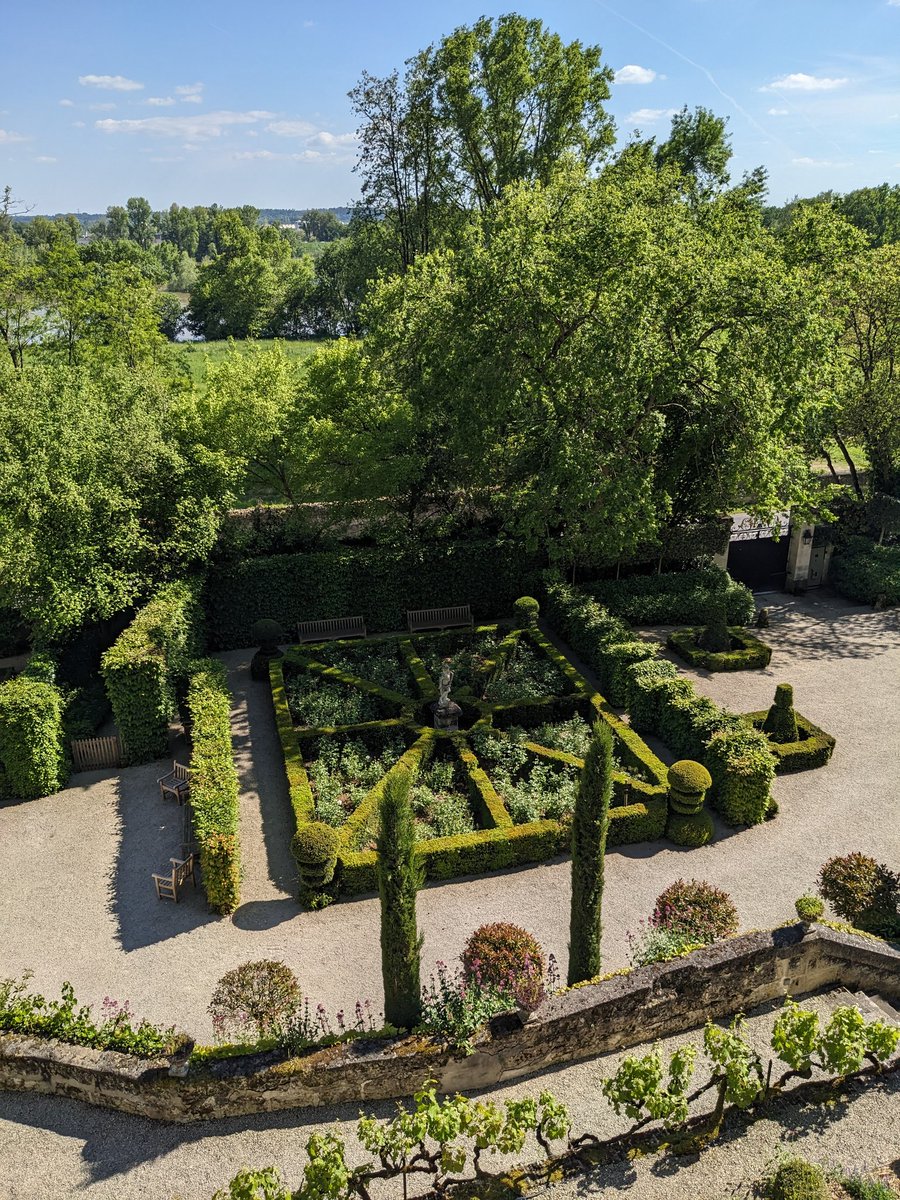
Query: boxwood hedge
[(32, 734), (813, 748), (867, 572), (145, 664), (214, 784), (674, 597)]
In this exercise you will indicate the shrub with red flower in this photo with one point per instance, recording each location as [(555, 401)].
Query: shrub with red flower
[(507, 957), (697, 910)]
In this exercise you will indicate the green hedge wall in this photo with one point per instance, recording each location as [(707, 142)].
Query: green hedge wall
[(867, 572), (600, 639), (663, 703), (144, 665), (380, 582), (32, 735), (674, 598), (214, 784)]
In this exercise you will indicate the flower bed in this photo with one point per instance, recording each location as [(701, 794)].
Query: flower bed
[(497, 793)]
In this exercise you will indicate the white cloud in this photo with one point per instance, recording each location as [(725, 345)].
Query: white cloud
[(801, 82), (894, 3), (67, 104), (245, 155), (159, 101), (646, 115), (190, 93), (45, 158), (110, 83), (324, 138), (805, 161), (291, 128), (632, 73), (778, 112), (194, 128), (78, 124), (7, 137)]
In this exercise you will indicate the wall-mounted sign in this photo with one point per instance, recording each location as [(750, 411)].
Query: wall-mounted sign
[(745, 528)]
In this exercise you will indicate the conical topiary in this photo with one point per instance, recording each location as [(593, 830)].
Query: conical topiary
[(781, 720)]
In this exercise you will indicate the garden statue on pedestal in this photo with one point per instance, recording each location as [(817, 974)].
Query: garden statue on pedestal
[(446, 711)]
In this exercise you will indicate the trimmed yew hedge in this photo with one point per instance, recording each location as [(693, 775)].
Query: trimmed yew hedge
[(214, 784), (813, 748), (747, 654), (379, 582), (33, 759), (143, 667), (675, 597)]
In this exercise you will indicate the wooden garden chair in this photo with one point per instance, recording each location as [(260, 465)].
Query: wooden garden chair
[(167, 886), (176, 783)]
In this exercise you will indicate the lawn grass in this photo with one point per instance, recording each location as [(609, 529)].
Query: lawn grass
[(198, 355)]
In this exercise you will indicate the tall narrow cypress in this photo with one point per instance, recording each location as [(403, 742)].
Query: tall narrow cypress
[(589, 824), (399, 878)]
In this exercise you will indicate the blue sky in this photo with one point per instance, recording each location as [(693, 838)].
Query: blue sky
[(239, 103)]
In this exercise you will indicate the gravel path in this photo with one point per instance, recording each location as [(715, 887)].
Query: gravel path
[(52, 1148)]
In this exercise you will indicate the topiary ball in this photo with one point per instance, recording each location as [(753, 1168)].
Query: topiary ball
[(798, 1179), (267, 634), (690, 829), (526, 610), (809, 908), (315, 847), (688, 784)]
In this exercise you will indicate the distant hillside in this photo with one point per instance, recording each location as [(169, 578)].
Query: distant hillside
[(283, 216)]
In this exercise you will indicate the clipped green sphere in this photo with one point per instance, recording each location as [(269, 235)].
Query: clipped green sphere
[(526, 610), (689, 777), (267, 633), (314, 844)]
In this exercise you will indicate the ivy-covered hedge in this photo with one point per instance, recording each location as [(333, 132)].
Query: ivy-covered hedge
[(379, 582), (814, 749), (747, 653), (33, 759), (867, 572), (601, 640), (143, 667), (214, 784), (674, 598)]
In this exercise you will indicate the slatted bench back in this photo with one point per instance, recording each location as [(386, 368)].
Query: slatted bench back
[(439, 618), (336, 627)]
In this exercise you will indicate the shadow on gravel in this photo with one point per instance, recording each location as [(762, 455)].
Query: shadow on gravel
[(150, 833), (257, 915)]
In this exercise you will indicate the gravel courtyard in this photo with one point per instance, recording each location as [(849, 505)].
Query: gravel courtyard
[(77, 902)]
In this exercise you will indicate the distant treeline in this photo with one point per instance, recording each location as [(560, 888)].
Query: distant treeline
[(874, 210), (287, 216)]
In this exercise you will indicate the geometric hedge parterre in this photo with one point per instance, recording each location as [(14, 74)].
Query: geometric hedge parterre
[(497, 793)]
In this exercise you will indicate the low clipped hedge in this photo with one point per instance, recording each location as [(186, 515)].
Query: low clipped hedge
[(638, 815), (145, 664), (33, 759), (378, 582), (601, 640), (748, 654), (674, 598), (214, 784), (736, 755), (867, 572), (813, 749)]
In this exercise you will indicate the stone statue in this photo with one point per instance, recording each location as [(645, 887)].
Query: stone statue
[(444, 684)]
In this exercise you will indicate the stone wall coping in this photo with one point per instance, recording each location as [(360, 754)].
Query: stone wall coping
[(620, 1012)]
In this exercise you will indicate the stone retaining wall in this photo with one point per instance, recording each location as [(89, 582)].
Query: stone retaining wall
[(627, 1010)]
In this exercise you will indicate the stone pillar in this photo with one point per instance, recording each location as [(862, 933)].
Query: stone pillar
[(799, 555)]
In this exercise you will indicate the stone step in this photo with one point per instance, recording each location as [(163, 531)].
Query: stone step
[(873, 1008)]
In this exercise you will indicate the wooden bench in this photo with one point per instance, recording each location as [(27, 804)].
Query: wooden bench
[(438, 618), (167, 886), (326, 631), (177, 783)]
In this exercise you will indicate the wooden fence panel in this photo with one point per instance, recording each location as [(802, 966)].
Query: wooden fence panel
[(96, 753)]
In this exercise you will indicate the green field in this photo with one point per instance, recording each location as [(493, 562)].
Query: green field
[(198, 354)]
